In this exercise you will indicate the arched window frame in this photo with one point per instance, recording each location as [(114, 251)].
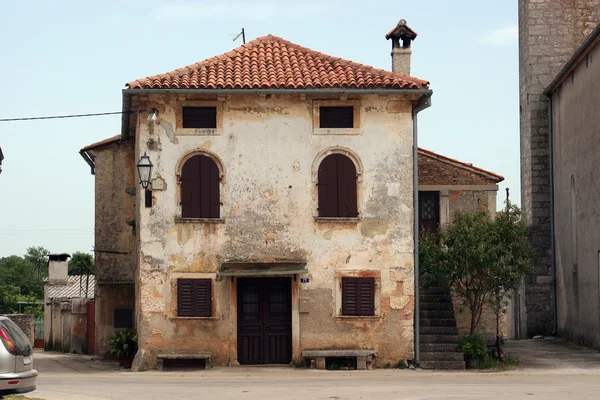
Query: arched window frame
[(315, 180), (178, 173)]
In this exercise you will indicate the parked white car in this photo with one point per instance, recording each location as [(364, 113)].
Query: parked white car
[(16, 360)]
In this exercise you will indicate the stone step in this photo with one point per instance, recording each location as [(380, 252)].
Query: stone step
[(430, 314), (435, 298), (438, 330), (425, 306), (435, 290), (443, 339), (439, 347), (438, 322), (442, 356), (442, 364)]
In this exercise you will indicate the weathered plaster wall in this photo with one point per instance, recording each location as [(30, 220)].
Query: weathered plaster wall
[(267, 150), (115, 241), (549, 32), (576, 148)]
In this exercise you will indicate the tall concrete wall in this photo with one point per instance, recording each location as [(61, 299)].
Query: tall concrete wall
[(269, 154), (577, 204), (549, 32)]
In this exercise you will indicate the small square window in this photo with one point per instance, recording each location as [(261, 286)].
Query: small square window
[(199, 117), (123, 318), (336, 117), (358, 296), (194, 298)]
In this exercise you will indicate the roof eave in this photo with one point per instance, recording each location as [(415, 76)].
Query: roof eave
[(587, 45), (421, 91)]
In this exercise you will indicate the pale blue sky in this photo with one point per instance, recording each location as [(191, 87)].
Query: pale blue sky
[(69, 57)]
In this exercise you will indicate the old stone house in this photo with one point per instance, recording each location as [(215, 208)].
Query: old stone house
[(280, 219)]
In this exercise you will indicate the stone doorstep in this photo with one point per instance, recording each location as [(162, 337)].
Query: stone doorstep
[(364, 358), (199, 355)]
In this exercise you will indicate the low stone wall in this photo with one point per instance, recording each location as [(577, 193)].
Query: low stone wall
[(26, 322)]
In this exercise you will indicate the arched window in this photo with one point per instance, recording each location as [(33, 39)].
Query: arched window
[(200, 197), (337, 187)]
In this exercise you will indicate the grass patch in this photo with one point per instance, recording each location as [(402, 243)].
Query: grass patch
[(19, 397), (494, 363)]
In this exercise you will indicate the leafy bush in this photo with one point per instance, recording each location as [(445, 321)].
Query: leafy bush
[(473, 346), (124, 344)]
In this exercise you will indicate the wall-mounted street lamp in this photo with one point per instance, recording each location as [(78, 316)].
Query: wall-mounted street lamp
[(144, 167)]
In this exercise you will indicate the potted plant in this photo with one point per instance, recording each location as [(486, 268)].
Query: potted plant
[(474, 349), (131, 222), (124, 345)]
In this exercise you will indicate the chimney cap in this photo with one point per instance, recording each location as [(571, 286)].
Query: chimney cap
[(58, 256), (401, 32)]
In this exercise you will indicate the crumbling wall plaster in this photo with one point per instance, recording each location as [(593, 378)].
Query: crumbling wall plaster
[(267, 148)]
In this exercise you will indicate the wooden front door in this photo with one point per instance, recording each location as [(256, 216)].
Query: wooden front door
[(264, 320)]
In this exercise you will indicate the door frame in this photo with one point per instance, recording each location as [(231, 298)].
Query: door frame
[(233, 313)]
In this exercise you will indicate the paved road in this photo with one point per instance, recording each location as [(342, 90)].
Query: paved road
[(68, 377)]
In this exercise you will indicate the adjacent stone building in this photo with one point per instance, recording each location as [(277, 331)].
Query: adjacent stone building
[(574, 98), (549, 33)]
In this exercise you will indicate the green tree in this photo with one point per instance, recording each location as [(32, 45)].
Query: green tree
[(38, 257), (18, 271), (81, 264), (9, 297), (479, 258)]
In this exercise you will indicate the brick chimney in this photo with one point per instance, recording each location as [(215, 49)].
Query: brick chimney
[(402, 37), (58, 268)]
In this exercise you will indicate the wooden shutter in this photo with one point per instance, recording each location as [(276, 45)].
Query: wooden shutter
[(336, 117), (199, 117), (349, 296), (185, 306), (346, 178), (203, 297), (358, 296), (328, 187), (200, 188), (194, 297)]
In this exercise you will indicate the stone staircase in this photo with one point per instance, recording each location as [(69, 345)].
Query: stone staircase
[(438, 332)]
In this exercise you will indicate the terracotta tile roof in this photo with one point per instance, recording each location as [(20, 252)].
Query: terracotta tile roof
[(105, 142), (271, 62), (436, 169)]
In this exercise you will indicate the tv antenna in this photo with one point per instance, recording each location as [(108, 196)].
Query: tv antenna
[(242, 34)]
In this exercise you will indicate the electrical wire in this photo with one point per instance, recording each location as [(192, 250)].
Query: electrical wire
[(63, 116)]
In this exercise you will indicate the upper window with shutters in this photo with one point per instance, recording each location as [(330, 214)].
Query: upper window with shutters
[(336, 117), (337, 188), (200, 188), (199, 118)]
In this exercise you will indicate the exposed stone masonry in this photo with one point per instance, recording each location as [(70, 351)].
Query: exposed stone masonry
[(549, 32)]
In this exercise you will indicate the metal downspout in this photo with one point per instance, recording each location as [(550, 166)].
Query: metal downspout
[(552, 250), (423, 103)]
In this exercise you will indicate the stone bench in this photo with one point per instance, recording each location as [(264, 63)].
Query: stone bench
[(199, 355), (364, 358)]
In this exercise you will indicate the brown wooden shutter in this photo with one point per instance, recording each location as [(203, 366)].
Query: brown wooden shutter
[(199, 117), (328, 187), (366, 296), (346, 178), (194, 297), (358, 296), (184, 297), (349, 296), (200, 188), (336, 117), (203, 298)]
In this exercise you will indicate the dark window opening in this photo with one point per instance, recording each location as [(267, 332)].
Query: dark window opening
[(123, 318), (200, 188), (429, 211), (200, 117), (337, 187), (358, 296), (336, 117), (194, 297)]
